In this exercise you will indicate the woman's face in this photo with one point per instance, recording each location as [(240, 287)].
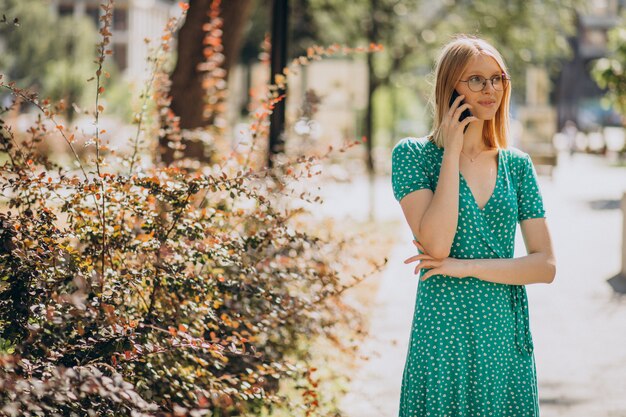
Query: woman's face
[(486, 102)]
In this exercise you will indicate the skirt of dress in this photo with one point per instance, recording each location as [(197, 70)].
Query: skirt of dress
[(470, 352)]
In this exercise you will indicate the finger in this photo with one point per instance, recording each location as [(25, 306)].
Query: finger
[(460, 110), (420, 257), (411, 259), (429, 274), (468, 120), (423, 265), (426, 265), (420, 247), (455, 103)]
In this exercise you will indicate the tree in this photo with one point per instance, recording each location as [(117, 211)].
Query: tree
[(26, 53), (412, 31), (56, 66), (187, 90), (609, 72)]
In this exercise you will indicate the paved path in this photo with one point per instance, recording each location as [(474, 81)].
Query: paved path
[(578, 324)]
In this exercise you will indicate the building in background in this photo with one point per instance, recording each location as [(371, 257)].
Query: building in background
[(133, 21)]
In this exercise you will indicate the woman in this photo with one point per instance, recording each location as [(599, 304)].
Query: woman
[(463, 191)]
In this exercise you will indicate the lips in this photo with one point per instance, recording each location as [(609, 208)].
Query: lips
[(487, 102)]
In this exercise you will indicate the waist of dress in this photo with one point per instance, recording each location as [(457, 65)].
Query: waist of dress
[(519, 304)]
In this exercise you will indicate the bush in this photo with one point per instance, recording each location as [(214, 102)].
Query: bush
[(129, 288)]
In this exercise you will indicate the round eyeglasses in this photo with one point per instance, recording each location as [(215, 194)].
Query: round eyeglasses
[(478, 83)]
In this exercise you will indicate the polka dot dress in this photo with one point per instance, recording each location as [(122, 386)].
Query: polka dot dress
[(470, 350)]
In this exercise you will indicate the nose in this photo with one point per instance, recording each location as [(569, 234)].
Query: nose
[(488, 86)]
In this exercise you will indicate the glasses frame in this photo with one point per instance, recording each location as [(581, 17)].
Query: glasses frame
[(505, 81)]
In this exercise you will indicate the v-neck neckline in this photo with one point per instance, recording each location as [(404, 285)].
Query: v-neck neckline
[(495, 187)]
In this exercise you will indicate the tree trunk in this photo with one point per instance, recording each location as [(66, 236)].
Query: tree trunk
[(186, 90), (372, 37), (278, 61), (372, 84)]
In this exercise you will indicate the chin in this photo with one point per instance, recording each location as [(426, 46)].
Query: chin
[(485, 117)]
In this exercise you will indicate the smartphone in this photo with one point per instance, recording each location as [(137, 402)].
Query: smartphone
[(466, 113)]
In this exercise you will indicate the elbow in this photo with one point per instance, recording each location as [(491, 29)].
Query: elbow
[(435, 246), (551, 275), (441, 254), (438, 251)]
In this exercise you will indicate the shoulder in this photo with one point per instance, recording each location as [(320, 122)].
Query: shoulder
[(516, 153), (412, 143), (517, 159), (412, 146)]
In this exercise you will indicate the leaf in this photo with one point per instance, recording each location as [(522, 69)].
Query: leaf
[(143, 237)]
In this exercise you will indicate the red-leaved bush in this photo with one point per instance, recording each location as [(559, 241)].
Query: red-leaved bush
[(130, 288)]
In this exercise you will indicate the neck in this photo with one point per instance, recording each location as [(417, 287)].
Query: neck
[(473, 138)]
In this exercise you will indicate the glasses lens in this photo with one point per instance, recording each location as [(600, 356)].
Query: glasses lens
[(497, 82), (476, 83)]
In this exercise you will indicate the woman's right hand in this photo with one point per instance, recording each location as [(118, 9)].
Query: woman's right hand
[(452, 129)]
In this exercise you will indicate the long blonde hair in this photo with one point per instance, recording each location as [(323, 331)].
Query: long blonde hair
[(452, 62)]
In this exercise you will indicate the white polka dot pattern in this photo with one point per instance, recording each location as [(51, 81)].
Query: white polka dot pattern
[(470, 350)]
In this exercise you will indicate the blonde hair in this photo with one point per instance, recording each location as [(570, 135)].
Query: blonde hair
[(452, 62)]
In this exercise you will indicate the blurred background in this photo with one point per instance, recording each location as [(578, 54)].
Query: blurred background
[(566, 59)]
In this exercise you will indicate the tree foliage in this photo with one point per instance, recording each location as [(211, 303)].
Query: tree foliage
[(55, 64), (609, 72), (526, 32), (412, 31)]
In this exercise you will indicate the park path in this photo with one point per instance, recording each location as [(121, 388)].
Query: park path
[(578, 323)]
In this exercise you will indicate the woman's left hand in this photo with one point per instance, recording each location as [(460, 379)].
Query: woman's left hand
[(447, 266)]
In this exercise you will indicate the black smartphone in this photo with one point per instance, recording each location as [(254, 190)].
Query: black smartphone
[(466, 113)]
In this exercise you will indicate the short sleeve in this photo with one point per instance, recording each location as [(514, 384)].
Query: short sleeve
[(408, 171), (529, 198)]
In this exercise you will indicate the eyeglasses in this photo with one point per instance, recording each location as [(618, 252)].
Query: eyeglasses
[(478, 83)]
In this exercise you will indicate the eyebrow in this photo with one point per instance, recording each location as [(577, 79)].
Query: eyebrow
[(478, 73)]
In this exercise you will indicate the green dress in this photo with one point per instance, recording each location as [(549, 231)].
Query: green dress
[(470, 351)]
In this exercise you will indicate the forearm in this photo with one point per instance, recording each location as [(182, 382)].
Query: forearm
[(529, 269), (440, 220)]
